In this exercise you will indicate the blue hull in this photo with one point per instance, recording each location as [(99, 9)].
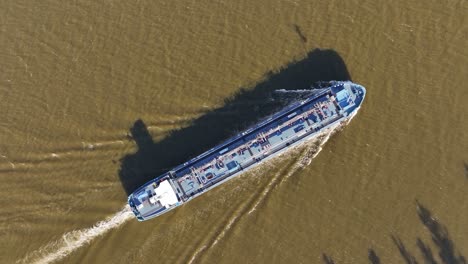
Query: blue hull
[(291, 126)]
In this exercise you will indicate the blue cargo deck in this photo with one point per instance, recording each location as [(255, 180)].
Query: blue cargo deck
[(294, 123)]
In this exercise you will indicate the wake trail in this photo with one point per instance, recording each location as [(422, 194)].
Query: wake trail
[(310, 153), (237, 216), (312, 149), (305, 157), (225, 228), (265, 193), (73, 240)]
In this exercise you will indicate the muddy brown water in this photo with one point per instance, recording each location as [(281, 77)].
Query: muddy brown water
[(79, 79)]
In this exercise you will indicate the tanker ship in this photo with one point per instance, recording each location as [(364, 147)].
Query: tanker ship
[(323, 111)]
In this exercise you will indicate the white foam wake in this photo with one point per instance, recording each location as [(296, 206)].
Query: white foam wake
[(73, 240), (273, 183), (312, 149), (306, 156)]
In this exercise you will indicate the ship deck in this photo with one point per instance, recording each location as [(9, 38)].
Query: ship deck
[(274, 134), (257, 145)]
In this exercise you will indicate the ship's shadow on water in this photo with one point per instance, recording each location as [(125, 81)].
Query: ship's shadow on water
[(247, 106)]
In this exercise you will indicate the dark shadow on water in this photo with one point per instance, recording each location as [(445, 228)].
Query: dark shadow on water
[(246, 107), (466, 169), (440, 238), (426, 252), (327, 259), (373, 258), (299, 32), (407, 257)]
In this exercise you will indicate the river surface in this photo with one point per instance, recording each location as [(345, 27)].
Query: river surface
[(97, 97)]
